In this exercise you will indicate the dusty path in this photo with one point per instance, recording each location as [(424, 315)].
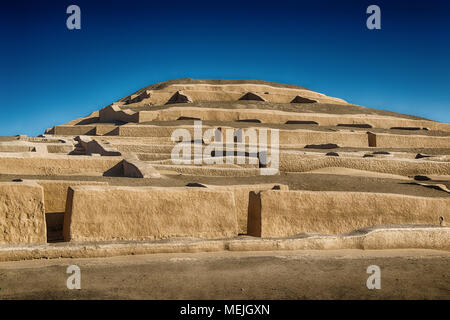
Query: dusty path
[(338, 274)]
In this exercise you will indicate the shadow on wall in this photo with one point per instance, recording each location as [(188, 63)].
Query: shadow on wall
[(250, 120), (54, 222), (299, 99), (251, 96), (189, 118), (301, 122), (114, 132), (179, 97), (116, 171), (355, 125)]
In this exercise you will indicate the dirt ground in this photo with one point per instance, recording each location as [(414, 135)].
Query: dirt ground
[(337, 274)]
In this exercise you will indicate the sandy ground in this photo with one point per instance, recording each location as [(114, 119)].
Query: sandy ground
[(337, 274)]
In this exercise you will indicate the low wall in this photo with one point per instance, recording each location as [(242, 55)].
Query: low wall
[(384, 140), (60, 165), (297, 137), (69, 130), (115, 113), (301, 137), (153, 156), (55, 192), (152, 130), (96, 147), (15, 146), (230, 92), (97, 213), (280, 117), (296, 162), (305, 137), (22, 216), (105, 129), (288, 213), (241, 197), (206, 170), (131, 140), (60, 148), (144, 148)]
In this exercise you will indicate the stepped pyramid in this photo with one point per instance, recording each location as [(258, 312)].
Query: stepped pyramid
[(234, 161)]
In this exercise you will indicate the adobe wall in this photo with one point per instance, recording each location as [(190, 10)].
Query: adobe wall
[(287, 213), (296, 162), (259, 89), (305, 137), (99, 213), (297, 137), (55, 192), (72, 130), (232, 92), (280, 117), (153, 156), (227, 162), (59, 165), (279, 97), (135, 168), (147, 130), (132, 140), (60, 147), (144, 148), (103, 129), (115, 113), (302, 137), (384, 140), (97, 147), (206, 170), (22, 218), (241, 197), (15, 146)]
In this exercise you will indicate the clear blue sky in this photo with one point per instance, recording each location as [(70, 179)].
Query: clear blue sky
[(50, 75)]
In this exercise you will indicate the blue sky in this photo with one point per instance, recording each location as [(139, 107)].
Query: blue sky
[(50, 75)]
